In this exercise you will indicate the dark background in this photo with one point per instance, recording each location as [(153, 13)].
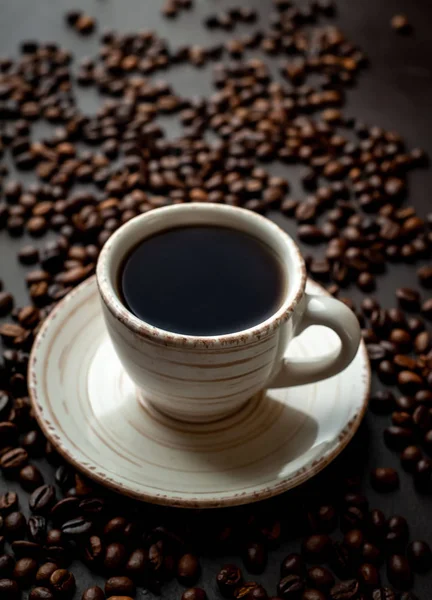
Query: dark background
[(395, 92)]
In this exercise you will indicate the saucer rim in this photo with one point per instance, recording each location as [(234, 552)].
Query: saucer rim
[(301, 475)]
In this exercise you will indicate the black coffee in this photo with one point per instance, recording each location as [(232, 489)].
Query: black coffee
[(202, 280)]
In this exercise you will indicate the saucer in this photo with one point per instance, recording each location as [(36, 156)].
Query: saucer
[(98, 420)]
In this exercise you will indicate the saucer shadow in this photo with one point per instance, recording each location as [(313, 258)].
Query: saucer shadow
[(260, 443)]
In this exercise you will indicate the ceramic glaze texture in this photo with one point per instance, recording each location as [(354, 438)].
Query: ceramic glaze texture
[(203, 379)]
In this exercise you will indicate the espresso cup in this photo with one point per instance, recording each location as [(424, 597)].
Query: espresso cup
[(205, 378)]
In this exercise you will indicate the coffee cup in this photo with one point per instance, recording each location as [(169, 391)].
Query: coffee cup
[(197, 378)]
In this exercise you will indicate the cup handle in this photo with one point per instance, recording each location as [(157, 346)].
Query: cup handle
[(327, 311)]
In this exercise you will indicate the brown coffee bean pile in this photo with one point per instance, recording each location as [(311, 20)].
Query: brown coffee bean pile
[(354, 209)]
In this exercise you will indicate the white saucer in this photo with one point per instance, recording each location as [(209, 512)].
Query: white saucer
[(91, 411)]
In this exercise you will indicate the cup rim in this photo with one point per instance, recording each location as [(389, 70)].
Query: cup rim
[(143, 329)]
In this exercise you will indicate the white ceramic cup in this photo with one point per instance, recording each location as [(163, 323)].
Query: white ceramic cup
[(205, 378)]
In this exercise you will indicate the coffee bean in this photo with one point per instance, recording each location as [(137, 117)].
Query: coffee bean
[(25, 571), (292, 564), (9, 589), (316, 548), (6, 303), (120, 586), (64, 510), (115, 557), (408, 298), (42, 499), (399, 572), (63, 583), (43, 574), (8, 502), (406, 403), (36, 527), (255, 558), (425, 276), (385, 479), (410, 456), (339, 560), (137, 564), (368, 577), (94, 552), (7, 564), (420, 556), (93, 593), (76, 528), (398, 438), (384, 593), (345, 590), (311, 594), (291, 586), (13, 460), (250, 590), (192, 594), (228, 579), (426, 309), (371, 554), (41, 593), (30, 478), (23, 548), (14, 526), (382, 402), (320, 578), (400, 23)]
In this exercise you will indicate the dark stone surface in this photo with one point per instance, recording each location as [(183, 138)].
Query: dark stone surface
[(394, 92)]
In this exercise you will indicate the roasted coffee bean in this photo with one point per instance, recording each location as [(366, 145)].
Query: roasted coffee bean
[(119, 586), (316, 548), (352, 518), (9, 589), (406, 403), (192, 594), (292, 564), (420, 556), (8, 502), (345, 590), (188, 569), (398, 438), (94, 551), (25, 571), (30, 478), (41, 593), (320, 578), (423, 475), (228, 579), (34, 443), (36, 528), (384, 593), (93, 593), (368, 577), (63, 583), (408, 298), (410, 457), (64, 510), (312, 594), (353, 541), (382, 402), (255, 558), (399, 572), (7, 564), (385, 479), (137, 565), (115, 528), (76, 528), (371, 554), (14, 526), (42, 499), (43, 574), (115, 557), (290, 586), (6, 303), (426, 309), (24, 548), (340, 561), (13, 460), (250, 590)]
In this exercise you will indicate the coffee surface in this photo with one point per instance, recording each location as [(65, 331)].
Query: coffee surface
[(202, 280)]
